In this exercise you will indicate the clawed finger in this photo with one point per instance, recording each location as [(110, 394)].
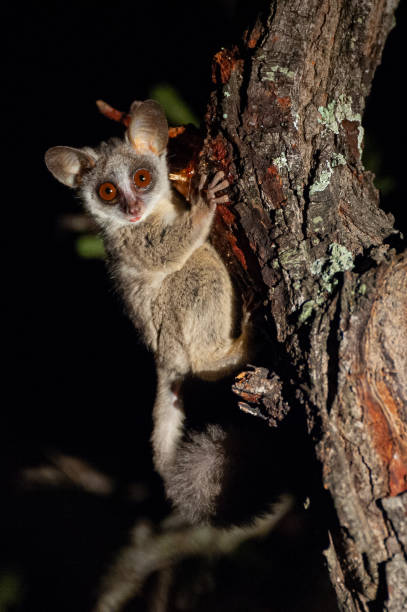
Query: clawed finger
[(221, 200), (223, 185), (218, 177), (202, 181)]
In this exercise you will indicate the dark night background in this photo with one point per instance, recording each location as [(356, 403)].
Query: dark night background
[(77, 380)]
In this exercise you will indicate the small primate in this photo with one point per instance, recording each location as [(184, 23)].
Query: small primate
[(178, 294)]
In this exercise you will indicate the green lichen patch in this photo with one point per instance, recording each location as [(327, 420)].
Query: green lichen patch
[(317, 265), (270, 75), (323, 180), (336, 111), (328, 118), (324, 177), (328, 282), (280, 162), (338, 159), (338, 260), (341, 259), (306, 310), (292, 259)]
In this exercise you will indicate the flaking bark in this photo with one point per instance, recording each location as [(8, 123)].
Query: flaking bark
[(307, 235)]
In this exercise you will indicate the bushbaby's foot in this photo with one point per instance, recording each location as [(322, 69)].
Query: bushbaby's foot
[(250, 303)]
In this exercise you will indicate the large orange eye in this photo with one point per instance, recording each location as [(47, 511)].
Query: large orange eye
[(142, 178), (107, 192)]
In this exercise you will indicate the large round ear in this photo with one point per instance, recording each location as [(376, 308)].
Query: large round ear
[(148, 127), (68, 164)]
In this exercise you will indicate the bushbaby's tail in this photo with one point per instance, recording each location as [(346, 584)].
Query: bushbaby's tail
[(217, 476)]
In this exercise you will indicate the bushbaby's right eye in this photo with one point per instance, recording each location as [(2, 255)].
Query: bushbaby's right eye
[(107, 191)]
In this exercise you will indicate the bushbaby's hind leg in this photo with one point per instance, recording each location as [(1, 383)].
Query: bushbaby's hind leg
[(168, 417), (173, 365), (220, 365), (172, 355)]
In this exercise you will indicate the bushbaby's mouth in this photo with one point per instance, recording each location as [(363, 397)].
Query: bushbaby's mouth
[(133, 210)]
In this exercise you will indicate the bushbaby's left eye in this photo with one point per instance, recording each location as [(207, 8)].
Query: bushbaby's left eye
[(142, 178)]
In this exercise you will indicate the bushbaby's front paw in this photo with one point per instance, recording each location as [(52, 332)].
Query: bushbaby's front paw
[(217, 184), (206, 195)]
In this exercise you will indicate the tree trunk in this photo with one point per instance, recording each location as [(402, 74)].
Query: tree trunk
[(308, 236)]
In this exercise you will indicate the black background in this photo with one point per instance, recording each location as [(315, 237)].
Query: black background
[(76, 379)]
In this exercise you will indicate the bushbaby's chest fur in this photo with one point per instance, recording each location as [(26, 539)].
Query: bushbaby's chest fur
[(187, 298)]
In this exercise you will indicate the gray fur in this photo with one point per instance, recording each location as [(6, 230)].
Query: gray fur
[(194, 482), (176, 288)]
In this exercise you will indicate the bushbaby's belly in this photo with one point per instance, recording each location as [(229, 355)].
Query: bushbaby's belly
[(197, 302)]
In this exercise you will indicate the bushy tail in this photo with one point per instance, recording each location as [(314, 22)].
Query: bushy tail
[(218, 477)]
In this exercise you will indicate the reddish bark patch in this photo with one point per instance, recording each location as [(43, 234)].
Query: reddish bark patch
[(351, 129), (226, 214), (224, 62), (218, 149), (225, 242), (232, 240), (381, 416), (219, 154), (284, 103), (398, 460), (252, 39), (272, 185), (379, 375)]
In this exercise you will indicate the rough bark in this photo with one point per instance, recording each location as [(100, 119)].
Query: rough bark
[(307, 235)]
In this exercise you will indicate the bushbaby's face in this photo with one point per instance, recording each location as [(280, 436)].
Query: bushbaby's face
[(124, 186), (117, 184)]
